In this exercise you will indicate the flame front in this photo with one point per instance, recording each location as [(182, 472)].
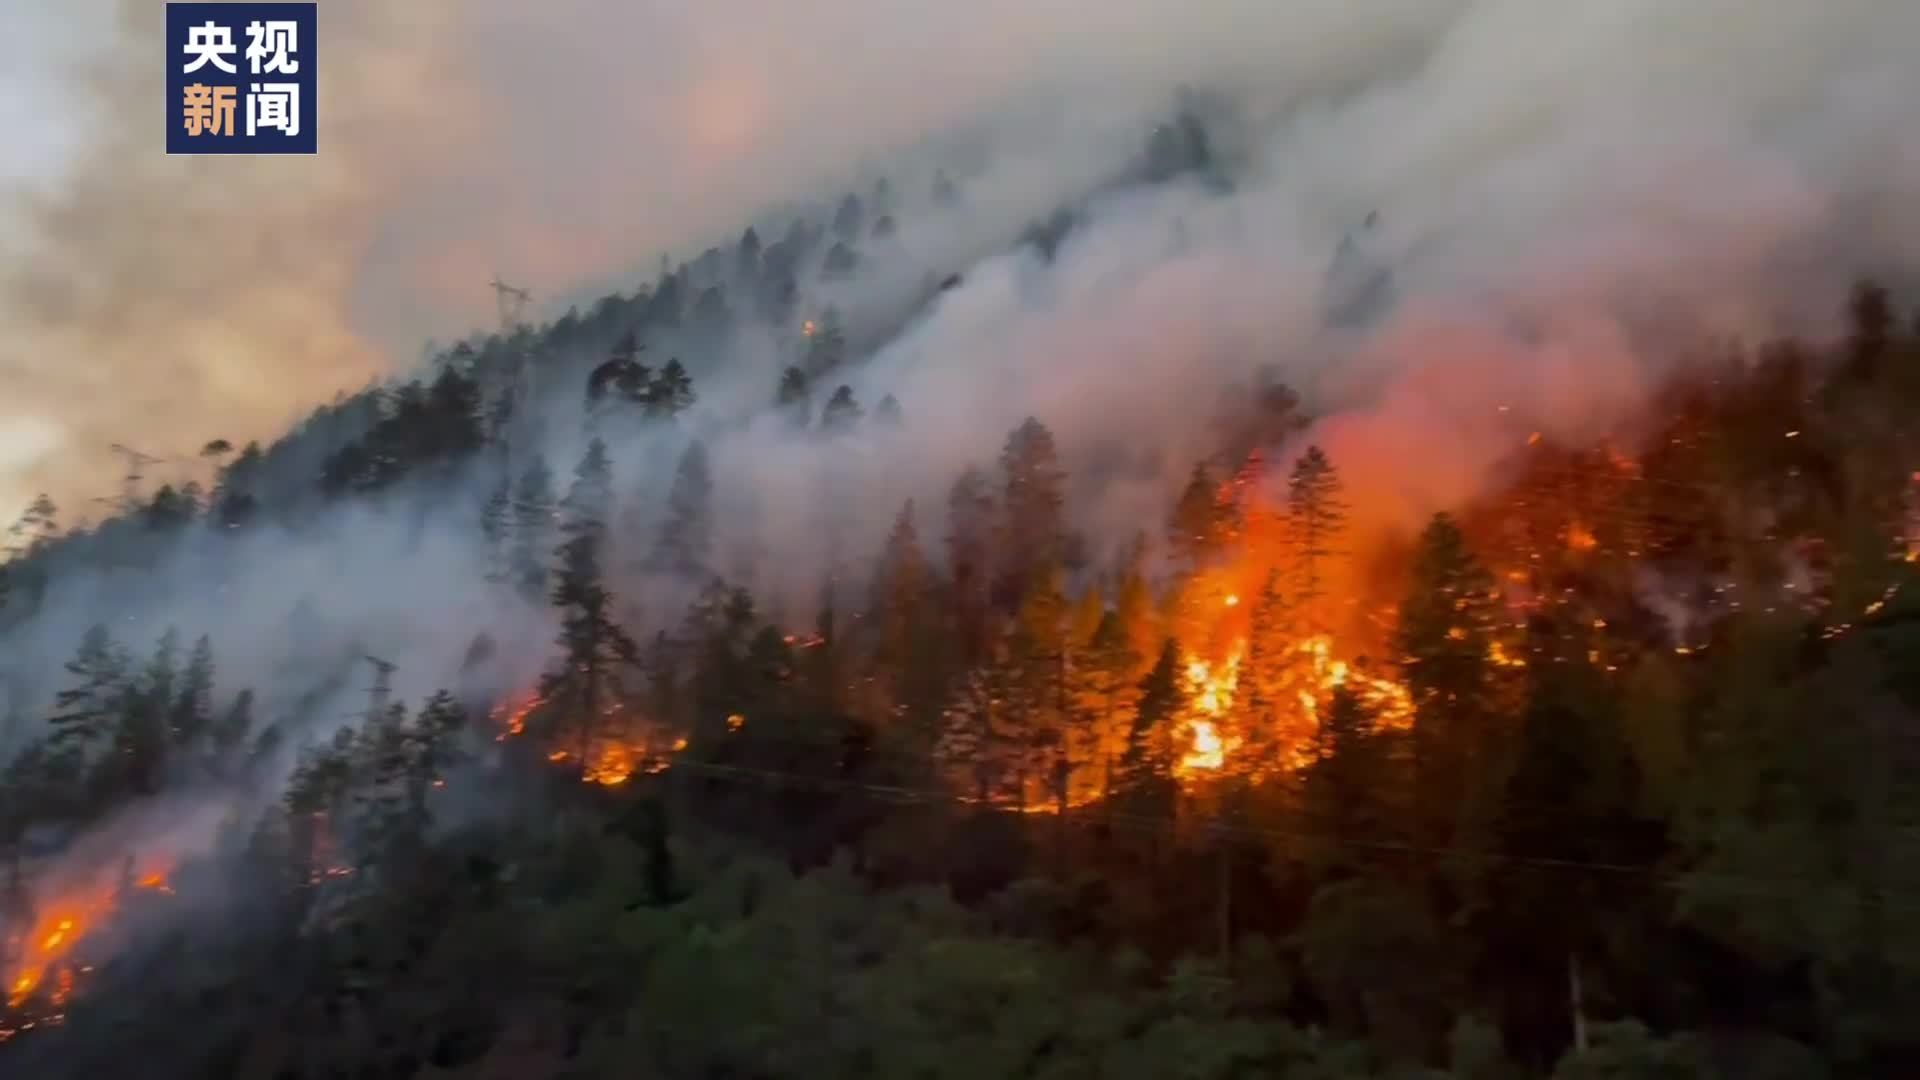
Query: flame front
[(46, 946)]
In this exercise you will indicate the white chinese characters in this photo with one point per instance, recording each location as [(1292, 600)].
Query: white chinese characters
[(271, 45), (274, 107), (209, 42)]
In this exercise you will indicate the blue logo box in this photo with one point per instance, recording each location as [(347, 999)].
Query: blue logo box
[(240, 79)]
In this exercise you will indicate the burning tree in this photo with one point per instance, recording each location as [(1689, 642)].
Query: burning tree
[(582, 699)]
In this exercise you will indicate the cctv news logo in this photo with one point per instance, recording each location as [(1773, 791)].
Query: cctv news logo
[(240, 79)]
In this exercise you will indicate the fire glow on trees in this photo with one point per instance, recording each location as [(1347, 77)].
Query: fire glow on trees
[(611, 760)]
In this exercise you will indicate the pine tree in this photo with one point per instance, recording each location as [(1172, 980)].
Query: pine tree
[(452, 425), (622, 376), (234, 727), (1316, 515), (850, 218), (1033, 508), (966, 749), (1146, 768), (670, 393), (34, 529), (841, 414), (1273, 676), (746, 258), (794, 399), (235, 498), (1198, 529), (86, 713), (1345, 785), (140, 742), (826, 345), (589, 501), (899, 600), (686, 536), (533, 524), (1134, 606), (1038, 713), (432, 749), (887, 415), (586, 691), (192, 707), (1445, 636), (1105, 697), (970, 558)]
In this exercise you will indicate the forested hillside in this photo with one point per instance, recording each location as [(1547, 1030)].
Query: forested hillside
[(479, 728)]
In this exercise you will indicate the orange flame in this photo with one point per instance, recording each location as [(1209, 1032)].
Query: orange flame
[(45, 946)]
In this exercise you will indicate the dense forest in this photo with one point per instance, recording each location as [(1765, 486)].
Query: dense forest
[(1608, 772)]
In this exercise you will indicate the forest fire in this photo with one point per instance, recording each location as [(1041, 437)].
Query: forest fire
[(41, 965), (610, 762), (510, 716), (1211, 693)]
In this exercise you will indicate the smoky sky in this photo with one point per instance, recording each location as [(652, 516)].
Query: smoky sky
[(1553, 179), (163, 302)]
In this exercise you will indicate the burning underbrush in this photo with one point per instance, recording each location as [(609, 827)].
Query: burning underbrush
[(53, 942)]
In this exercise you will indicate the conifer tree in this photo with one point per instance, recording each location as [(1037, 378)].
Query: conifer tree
[(587, 688), (685, 541), (670, 393), (794, 399), (1345, 786), (191, 710), (1197, 531), (841, 414), (1446, 633), (1038, 713), (234, 727), (900, 598), (1134, 607), (1273, 676), (589, 501), (1316, 514), (826, 346), (87, 712), (533, 524), (1105, 699), (140, 742), (970, 558), (34, 529), (1146, 768), (1033, 512), (887, 415)]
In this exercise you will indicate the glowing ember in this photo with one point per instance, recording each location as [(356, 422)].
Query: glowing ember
[(734, 723), (1233, 600), (1581, 538), (611, 766), (511, 715)]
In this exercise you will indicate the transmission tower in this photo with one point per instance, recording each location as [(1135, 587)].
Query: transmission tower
[(382, 689), (514, 389), (137, 463)]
